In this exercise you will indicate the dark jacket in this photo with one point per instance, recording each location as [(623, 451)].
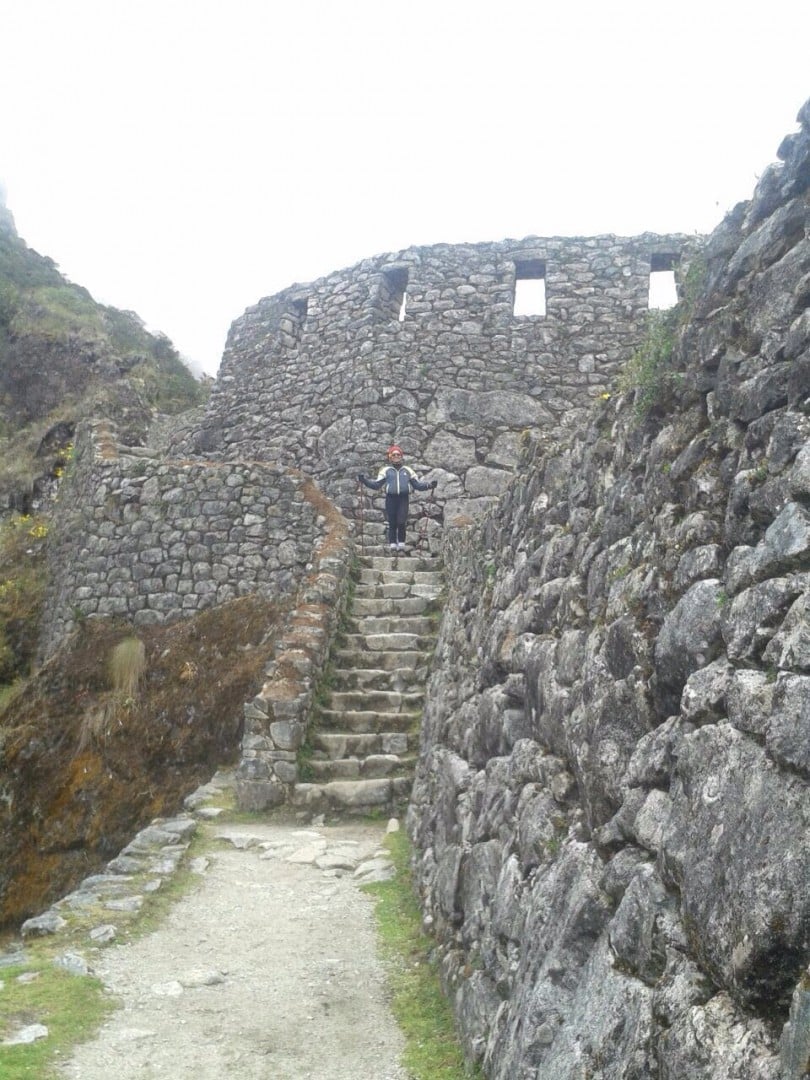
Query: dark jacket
[(396, 481)]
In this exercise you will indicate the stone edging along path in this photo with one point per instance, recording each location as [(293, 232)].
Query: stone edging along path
[(268, 968)]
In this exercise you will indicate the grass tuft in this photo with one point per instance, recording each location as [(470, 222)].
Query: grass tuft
[(73, 1007), (70, 1006), (649, 374), (423, 1013), (127, 663)]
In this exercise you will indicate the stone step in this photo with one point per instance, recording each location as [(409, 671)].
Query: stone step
[(367, 721), (402, 562), (392, 624), (399, 680), (364, 743), (357, 657), (380, 544), (373, 767), (371, 576), (399, 590), (411, 605), (336, 745), (348, 795), (384, 551), (384, 701), (396, 642)]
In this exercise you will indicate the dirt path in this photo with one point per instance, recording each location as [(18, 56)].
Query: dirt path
[(267, 969)]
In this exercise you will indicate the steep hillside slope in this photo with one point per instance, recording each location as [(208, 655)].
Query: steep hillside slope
[(63, 358), (613, 795)]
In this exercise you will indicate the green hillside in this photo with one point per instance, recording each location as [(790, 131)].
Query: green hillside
[(63, 358)]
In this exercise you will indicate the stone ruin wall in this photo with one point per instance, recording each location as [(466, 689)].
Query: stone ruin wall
[(610, 816), (325, 375), (320, 378), (151, 540)]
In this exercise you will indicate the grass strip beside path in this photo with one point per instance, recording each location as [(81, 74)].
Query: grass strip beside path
[(70, 1006), (433, 1051)]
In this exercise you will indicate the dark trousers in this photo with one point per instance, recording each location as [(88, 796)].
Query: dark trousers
[(396, 510)]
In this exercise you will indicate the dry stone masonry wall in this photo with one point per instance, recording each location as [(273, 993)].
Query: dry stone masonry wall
[(423, 347), (277, 719), (152, 540), (612, 804)]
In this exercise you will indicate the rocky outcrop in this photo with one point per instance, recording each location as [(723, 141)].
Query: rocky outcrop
[(610, 809)]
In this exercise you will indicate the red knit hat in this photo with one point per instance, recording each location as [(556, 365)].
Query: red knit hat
[(395, 450)]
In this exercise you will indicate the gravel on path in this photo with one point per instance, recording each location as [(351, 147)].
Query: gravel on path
[(268, 968)]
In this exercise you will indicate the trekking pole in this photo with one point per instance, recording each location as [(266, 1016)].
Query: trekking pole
[(423, 525), (422, 534), (362, 523), (433, 504)]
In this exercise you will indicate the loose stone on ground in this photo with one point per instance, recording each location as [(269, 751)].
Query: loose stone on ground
[(268, 967)]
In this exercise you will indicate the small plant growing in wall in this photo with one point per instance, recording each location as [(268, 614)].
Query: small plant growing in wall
[(303, 759), (649, 375), (692, 286), (323, 689), (760, 474)]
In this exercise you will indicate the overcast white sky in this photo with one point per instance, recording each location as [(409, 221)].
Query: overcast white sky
[(183, 158)]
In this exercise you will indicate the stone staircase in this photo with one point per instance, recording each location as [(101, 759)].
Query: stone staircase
[(364, 736)]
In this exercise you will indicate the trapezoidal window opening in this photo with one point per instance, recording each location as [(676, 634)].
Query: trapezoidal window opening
[(530, 287), (663, 292), (292, 322), (393, 293)]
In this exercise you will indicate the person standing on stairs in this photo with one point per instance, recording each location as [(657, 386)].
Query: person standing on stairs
[(399, 480)]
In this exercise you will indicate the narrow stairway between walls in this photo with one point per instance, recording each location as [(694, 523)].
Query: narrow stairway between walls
[(364, 733)]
